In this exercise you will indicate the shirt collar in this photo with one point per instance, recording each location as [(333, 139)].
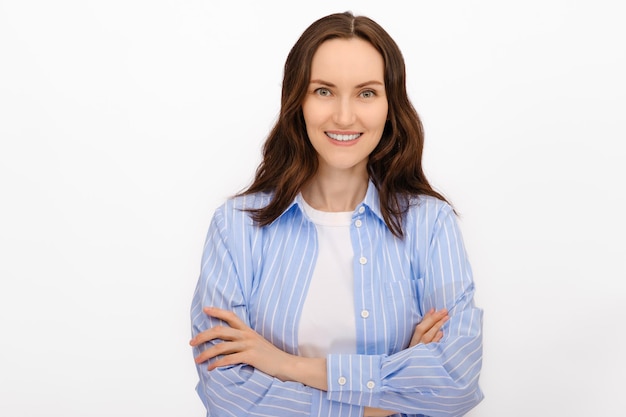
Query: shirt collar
[(371, 202)]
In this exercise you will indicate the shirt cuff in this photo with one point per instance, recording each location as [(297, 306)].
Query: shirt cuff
[(354, 379), (322, 406)]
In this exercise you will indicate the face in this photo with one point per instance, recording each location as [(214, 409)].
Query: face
[(345, 108)]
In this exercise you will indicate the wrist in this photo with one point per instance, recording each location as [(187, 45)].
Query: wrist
[(284, 371), (307, 371)]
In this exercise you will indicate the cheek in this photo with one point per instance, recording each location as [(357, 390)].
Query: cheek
[(377, 117), (312, 113)]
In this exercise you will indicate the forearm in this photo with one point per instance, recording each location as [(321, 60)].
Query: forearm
[(376, 412), (308, 371), (246, 391), (312, 372), (410, 381)]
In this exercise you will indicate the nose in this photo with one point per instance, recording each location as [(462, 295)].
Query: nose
[(344, 112)]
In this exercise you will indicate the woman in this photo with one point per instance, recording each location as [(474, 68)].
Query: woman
[(337, 284)]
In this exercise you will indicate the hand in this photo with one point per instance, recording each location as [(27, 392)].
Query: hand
[(376, 412), (429, 329), (240, 344)]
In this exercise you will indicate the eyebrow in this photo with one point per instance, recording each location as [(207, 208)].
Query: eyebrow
[(328, 84)]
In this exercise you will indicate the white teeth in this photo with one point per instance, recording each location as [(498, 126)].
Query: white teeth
[(343, 138)]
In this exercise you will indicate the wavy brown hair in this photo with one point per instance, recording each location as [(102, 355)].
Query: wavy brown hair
[(289, 159)]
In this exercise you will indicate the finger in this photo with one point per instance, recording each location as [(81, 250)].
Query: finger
[(430, 335), (217, 332), (438, 336), (225, 315), (433, 315), (417, 337), (227, 360), (430, 319), (426, 330), (223, 348)]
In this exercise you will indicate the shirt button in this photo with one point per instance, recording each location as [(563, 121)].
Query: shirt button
[(370, 384), (362, 260), (342, 380), (358, 223), (365, 314), (361, 209)]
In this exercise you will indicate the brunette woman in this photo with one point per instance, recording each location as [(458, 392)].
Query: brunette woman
[(337, 284)]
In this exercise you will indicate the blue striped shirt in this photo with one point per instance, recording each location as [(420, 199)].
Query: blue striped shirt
[(262, 274)]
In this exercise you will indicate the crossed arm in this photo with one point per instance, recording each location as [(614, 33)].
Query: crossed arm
[(242, 345)]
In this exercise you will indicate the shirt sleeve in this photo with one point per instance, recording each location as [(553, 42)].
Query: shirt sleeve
[(243, 390), (436, 379)]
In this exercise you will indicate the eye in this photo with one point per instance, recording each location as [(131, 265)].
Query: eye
[(368, 94), (324, 92)]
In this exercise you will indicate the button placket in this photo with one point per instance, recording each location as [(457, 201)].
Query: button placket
[(363, 254)]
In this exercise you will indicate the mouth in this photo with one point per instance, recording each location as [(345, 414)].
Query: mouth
[(343, 137)]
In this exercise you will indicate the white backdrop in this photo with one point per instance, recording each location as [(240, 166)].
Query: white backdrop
[(124, 123)]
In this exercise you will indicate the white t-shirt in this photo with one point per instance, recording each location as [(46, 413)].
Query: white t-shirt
[(327, 324)]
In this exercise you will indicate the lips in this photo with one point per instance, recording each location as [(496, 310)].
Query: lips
[(343, 137)]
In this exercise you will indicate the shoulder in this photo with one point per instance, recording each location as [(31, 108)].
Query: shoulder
[(236, 210), (249, 201), (425, 205), (427, 215)]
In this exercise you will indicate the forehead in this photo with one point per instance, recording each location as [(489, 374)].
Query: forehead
[(347, 60)]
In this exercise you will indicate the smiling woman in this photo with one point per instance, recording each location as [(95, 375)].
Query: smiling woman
[(338, 283), (345, 110)]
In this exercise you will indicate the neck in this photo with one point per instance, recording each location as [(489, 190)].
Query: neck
[(335, 193)]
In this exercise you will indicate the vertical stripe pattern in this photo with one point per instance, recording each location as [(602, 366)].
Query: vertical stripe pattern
[(263, 274)]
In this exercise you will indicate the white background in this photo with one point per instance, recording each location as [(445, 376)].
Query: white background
[(123, 124)]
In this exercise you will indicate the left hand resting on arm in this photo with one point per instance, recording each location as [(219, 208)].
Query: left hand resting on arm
[(240, 344)]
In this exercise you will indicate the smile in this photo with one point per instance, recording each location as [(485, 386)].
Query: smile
[(343, 138)]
